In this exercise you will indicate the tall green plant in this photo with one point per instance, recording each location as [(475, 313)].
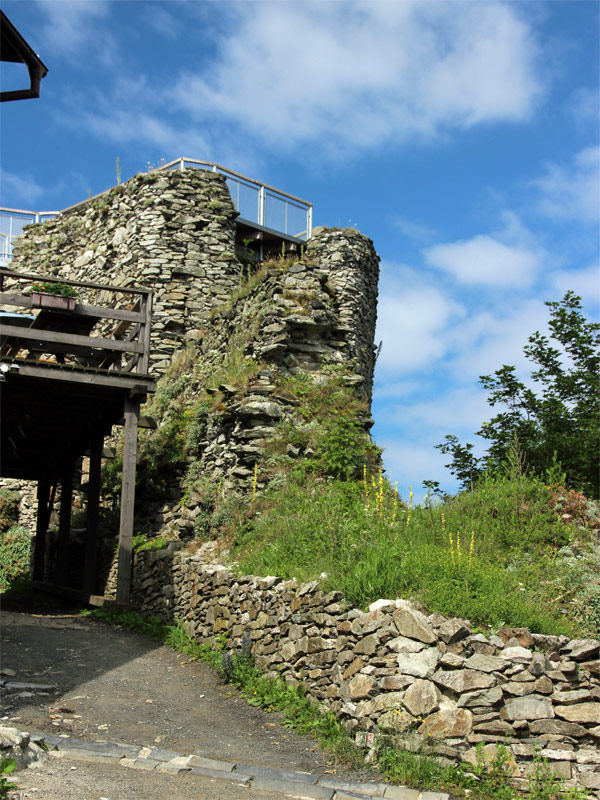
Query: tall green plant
[(558, 421)]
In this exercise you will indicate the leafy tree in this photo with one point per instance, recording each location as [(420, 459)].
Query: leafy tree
[(556, 424)]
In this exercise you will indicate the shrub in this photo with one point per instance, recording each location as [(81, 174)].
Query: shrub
[(9, 508), (15, 554)]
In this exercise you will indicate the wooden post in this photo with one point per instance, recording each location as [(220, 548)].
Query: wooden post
[(44, 507), (93, 507), (131, 414), (146, 308), (64, 524)]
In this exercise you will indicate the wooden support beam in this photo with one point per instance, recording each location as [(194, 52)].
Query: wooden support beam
[(93, 508), (49, 337), (131, 414), (45, 500), (143, 422), (64, 524), (109, 380)]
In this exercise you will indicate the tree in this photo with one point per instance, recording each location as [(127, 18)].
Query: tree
[(555, 423)]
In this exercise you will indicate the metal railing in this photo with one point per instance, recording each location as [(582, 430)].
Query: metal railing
[(256, 202), (12, 222)]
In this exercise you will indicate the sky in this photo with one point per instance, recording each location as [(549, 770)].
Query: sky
[(461, 137)]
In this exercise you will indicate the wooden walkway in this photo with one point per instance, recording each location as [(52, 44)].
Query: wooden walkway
[(68, 375)]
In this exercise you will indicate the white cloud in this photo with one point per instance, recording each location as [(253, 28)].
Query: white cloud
[(73, 30), (338, 77), (584, 106), (585, 282), (363, 74), (488, 339), (20, 188), (410, 462), (161, 20), (411, 319), (126, 125), (486, 261), (415, 231), (459, 408), (572, 192)]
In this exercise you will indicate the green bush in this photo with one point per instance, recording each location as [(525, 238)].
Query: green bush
[(9, 508), (15, 554)]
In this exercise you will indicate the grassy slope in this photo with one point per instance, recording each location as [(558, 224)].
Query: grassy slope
[(514, 551)]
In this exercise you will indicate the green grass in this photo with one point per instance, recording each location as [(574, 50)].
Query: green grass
[(500, 555)]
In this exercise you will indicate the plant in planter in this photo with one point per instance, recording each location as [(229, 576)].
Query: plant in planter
[(60, 296)]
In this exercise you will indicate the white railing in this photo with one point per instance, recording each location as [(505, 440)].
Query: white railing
[(12, 222), (257, 204)]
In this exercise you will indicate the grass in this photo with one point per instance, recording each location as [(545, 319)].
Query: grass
[(500, 555), (513, 551), (487, 780)]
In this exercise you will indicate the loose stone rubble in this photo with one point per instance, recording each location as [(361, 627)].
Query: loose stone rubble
[(394, 670), (20, 746)]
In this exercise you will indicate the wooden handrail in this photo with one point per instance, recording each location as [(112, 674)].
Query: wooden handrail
[(24, 301), (7, 273)]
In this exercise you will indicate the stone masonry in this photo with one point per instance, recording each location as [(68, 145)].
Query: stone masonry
[(396, 671)]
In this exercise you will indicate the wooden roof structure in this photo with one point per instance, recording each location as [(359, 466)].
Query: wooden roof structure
[(69, 371), (14, 48)]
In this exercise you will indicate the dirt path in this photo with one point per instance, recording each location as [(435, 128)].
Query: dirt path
[(66, 674)]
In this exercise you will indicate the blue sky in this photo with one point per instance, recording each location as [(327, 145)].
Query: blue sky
[(462, 137)]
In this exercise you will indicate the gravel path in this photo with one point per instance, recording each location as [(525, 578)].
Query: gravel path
[(68, 675)]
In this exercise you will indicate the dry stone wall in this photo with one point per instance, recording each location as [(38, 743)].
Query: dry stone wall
[(172, 232), (395, 670)]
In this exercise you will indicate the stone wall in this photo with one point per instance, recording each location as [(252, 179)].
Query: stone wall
[(175, 233), (393, 669), (172, 232)]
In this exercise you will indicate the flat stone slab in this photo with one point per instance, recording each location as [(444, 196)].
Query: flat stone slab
[(221, 775), (401, 793), (210, 763), (293, 788), (356, 788), (68, 745), (275, 774)]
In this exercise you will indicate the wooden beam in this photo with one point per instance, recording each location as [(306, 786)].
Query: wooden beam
[(64, 525), (113, 380), (93, 509), (144, 421), (11, 299), (44, 336), (146, 306), (131, 414), (8, 273), (45, 500)]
